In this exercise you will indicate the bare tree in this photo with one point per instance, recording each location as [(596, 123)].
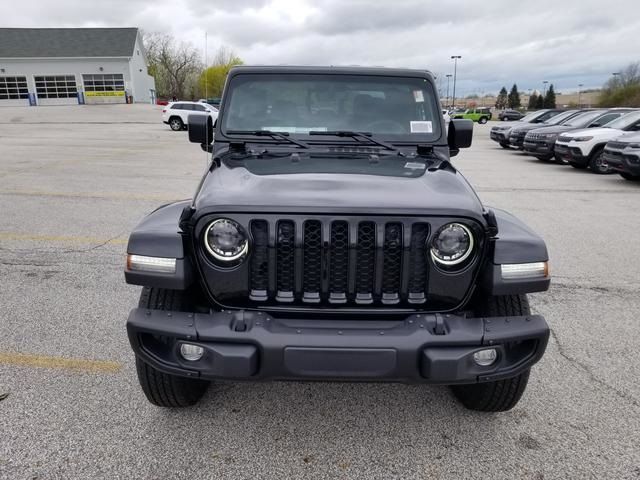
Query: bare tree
[(174, 65)]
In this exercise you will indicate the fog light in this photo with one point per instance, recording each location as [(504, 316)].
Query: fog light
[(484, 358), (191, 352)]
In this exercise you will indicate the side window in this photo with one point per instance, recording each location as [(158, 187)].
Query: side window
[(604, 119), (176, 106), (199, 108)]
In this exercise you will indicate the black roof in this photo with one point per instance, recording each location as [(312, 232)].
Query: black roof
[(67, 42), (342, 70)]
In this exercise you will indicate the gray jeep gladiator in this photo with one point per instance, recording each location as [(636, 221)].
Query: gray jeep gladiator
[(332, 239)]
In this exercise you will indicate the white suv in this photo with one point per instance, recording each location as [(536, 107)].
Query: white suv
[(584, 148), (176, 114)]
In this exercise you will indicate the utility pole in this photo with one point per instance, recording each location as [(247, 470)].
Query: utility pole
[(544, 92), (580, 85), (448, 78), (455, 71)]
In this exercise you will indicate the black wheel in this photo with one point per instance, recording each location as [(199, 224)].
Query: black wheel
[(482, 120), (597, 163), (544, 158), (504, 144), (632, 178), (579, 166), (176, 124), (501, 395), (160, 388)]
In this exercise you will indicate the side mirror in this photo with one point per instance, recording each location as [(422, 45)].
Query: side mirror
[(200, 130), (460, 135)]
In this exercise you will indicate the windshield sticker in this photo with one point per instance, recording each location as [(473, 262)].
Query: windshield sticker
[(418, 95), (300, 130), (415, 166), (421, 126)]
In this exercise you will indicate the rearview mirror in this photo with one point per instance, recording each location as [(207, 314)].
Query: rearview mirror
[(459, 135), (200, 129)]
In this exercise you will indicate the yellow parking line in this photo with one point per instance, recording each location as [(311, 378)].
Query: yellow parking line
[(61, 238), (100, 195), (44, 361)]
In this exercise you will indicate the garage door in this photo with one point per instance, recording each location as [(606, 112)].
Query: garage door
[(56, 89), (13, 91), (104, 88)]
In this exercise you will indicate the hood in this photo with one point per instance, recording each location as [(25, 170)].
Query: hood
[(509, 125), (313, 186), (554, 129), (596, 132), (630, 137), (525, 127)]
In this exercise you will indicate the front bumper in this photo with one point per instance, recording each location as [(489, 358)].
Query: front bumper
[(499, 137), (516, 140), (247, 345), (538, 147), (620, 162)]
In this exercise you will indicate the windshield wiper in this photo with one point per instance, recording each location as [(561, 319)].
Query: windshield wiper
[(269, 133), (356, 135)]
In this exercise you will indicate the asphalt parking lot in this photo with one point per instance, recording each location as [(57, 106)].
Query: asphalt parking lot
[(73, 183)]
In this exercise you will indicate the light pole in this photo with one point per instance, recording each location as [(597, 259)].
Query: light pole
[(580, 85), (544, 92), (615, 78), (448, 78), (455, 71)]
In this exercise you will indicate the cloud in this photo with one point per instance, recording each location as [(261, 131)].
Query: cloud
[(501, 42)]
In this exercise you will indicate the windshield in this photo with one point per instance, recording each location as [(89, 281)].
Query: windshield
[(624, 121), (398, 108), (558, 119), (532, 116), (583, 119)]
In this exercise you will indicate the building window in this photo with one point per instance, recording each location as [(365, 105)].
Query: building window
[(13, 88), (56, 86), (103, 82)]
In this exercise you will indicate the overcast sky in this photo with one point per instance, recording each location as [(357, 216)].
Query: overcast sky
[(501, 41)]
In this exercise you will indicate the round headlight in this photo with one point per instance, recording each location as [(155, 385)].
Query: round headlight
[(452, 244), (226, 240)]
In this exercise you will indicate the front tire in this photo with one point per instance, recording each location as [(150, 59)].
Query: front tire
[(597, 163), (176, 124), (163, 389), (504, 145), (579, 166), (499, 395), (483, 120)]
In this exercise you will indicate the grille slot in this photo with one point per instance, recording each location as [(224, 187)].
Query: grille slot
[(285, 257), (259, 266), (312, 261), (339, 262), (392, 263), (418, 263), (365, 262)]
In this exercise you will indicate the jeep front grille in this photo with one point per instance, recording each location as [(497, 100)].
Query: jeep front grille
[(336, 261)]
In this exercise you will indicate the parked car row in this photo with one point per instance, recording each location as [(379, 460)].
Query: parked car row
[(603, 140)]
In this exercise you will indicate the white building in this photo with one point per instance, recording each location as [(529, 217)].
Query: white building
[(62, 66)]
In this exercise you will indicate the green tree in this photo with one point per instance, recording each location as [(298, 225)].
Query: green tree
[(501, 101), (513, 100), (212, 78), (540, 101), (173, 65), (533, 101), (550, 98), (623, 89)]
